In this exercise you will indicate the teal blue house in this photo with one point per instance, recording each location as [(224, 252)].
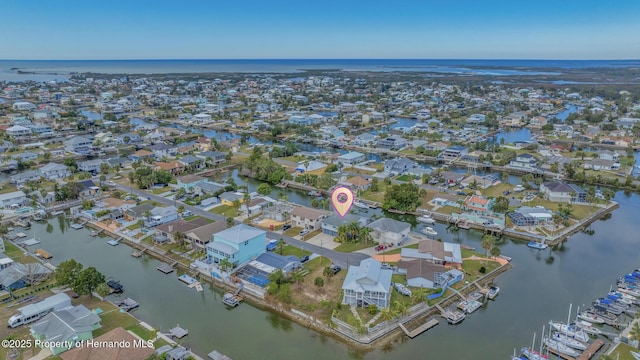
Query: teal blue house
[(239, 244), (61, 330)]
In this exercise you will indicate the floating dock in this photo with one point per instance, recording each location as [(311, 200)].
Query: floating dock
[(165, 268), (591, 350), (137, 254), (216, 355), (113, 242), (43, 254), (187, 279), (29, 242), (128, 304), (178, 332), (77, 226)]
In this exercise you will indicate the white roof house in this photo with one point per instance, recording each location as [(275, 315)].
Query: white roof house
[(367, 284)]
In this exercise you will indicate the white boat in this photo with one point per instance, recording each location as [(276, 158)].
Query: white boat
[(360, 204), (455, 317), (560, 347), (570, 331), (591, 317), (628, 290), (531, 354), (426, 219), (569, 341), (493, 292), (428, 230), (587, 327), (537, 245)]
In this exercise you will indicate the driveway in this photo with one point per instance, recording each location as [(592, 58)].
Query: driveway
[(323, 240)]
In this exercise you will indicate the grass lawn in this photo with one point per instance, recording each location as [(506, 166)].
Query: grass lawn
[(161, 190), (292, 250), (377, 195), (293, 231), (624, 351), (142, 331), (497, 190), (225, 210), (314, 264), (6, 188), (405, 178), (448, 210), (351, 247), (579, 211), (293, 158), (17, 254), (133, 226), (472, 268), (159, 343), (358, 171), (399, 249)]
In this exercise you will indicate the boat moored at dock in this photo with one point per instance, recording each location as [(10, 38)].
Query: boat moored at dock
[(537, 245)]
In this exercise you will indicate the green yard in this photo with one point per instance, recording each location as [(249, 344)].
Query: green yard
[(351, 247), (225, 210), (497, 190), (623, 352), (292, 250), (292, 232), (17, 254), (6, 188), (405, 178)]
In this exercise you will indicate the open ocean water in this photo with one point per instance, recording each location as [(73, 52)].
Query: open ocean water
[(46, 70)]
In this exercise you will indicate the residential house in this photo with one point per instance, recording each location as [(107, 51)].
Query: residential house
[(256, 205), (18, 131), (208, 187), (331, 224), (453, 153), (398, 166), (478, 204), (227, 198), (278, 262), (115, 336), (351, 158), (92, 166), (18, 275), (524, 161), (52, 171), (481, 182), (389, 231), (174, 167), (14, 199), (141, 155), (421, 273), (602, 164), (189, 182), (557, 191), (193, 162), (367, 284), (530, 216), (169, 229), (357, 183), (308, 218), (239, 244), (452, 178), (88, 188), (161, 215), (79, 145), (65, 329), (436, 252), (138, 212), (311, 167), (163, 151), (609, 155), (364, 139), (393, 142), (21, 178), (25, 156), (201, 236), (213, 157)]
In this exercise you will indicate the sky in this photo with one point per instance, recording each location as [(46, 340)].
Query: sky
[(327, 29)]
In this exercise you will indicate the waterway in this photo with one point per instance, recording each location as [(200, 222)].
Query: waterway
[(538, 288)]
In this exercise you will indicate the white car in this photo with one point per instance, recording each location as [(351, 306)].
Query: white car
[(111, 183)]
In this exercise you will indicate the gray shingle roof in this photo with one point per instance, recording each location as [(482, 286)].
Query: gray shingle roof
[(64, 324), (386, 224)]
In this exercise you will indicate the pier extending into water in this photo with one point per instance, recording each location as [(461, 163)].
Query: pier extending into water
[(420, 329)]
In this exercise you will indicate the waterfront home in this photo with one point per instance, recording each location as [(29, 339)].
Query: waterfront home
[(141, 155), (398, 166), (331, 224), (530, 216), (436, 252), (87, 188), (91, 166), (174, 167), (601, 164), (421, 273), (609, 155), (18, 131), (128, 138), (311, 167), (52, 171), (239, 244), (169, 229), (393, 142), (201, 236), (79, 145), (451, 178), (163, 151), (351, 158), (62, 329), (23, 106), (14, 199), (367, 284), (193, 162), (213, 157), (357, 183), (278, 262), (256, 205), (476, 119), (453, 153), (557, 191), (161, 215), (137, 212), (25, 156), (478, 204), (208, 187), (227, 198), (364, 139), (389, 231), (481, 182), (21, 178), (18, 275), (308, 218), (189, 182), (524, 161), (115, 336)]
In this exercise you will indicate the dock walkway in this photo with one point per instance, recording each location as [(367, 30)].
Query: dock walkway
[(420, 329), (591, 350)]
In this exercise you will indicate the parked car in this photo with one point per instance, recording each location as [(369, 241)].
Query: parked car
[(304, 259), (336, 269), (304, 232), (111, 183), (286, 227)]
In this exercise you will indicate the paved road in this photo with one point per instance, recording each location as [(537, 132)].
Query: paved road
[(338, 258)]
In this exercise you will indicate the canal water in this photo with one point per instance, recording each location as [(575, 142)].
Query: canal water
[(539, 288)]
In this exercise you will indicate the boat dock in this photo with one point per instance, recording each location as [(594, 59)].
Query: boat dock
[(43, 254), (128, 304), (166, 268), (178, 332), (137, 254), (29, 242), (591, 350), (420, 329), (216, 355), (559, 354), (77, 226), (114, 242), (187, 279)]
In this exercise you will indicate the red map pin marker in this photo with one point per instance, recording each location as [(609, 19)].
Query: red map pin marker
[(342, 199)]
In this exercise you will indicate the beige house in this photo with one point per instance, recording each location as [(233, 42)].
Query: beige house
[(308, 218)]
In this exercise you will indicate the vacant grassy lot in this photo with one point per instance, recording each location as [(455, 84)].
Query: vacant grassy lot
[(351, 247), (225, 210)]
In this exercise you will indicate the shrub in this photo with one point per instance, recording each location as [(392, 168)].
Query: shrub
[(319, 282), (372, 309), (482, 270)]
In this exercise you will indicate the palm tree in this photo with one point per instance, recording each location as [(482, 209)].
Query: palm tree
[(386, 314), (297, 278), (488, 241), (365, 235), (225, 264), (327, 272), (495, 251), (181, 239), (400, 307)]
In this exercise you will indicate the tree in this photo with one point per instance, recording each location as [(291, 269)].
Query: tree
[(230, 222), (181, 239), (402, 197), (327, 272), (400, 308), (505, 177), (488, 241), (375, 185), (225, 264), (67, 272), (87, 281), (635, 331), (264, 189), (495, 251), (102, 289), (500, 205), (386, 314), (297, 278), (319, 281)]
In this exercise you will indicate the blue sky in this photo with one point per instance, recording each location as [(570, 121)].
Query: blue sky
[(248, 29)]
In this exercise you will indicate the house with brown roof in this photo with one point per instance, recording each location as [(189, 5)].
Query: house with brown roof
[(141, 155), (203, 144), (116, 335), (358, 183), (308, 218), (169, 229), (478, 204), (174, 167), (424, 274), (436, 252), (201, 236)]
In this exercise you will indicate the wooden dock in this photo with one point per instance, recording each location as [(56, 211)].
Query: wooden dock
[(559, 354), (216, 355), (420, 329), (137, 254), (165, 268), (178, 332), (591, 350)]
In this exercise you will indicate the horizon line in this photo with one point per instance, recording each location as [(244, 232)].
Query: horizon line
[(276, 59)]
